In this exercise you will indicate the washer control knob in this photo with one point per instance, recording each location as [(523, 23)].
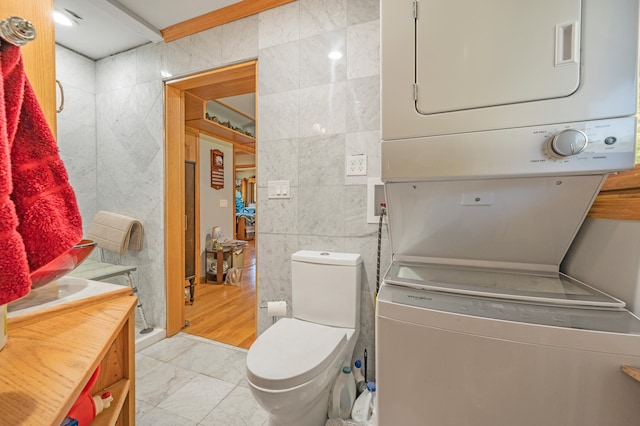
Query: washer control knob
[(569, 142)]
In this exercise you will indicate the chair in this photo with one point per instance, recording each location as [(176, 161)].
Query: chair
[(116, 234)]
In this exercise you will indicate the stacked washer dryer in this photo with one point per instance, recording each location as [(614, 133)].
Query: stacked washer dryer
[(500, 122)]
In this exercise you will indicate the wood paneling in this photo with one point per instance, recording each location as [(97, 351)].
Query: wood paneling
[(191, 145), (234, 80), (218, 17), (619, 197)]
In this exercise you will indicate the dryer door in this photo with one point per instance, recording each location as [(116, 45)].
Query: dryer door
[(475, 54)]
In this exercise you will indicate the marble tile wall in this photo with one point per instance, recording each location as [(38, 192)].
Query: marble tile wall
[(312, 112), (77, 127)]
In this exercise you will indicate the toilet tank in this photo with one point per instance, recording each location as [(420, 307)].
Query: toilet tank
[(326, 287)]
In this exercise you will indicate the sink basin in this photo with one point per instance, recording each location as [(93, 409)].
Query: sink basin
[(62, 264), (59, 292)]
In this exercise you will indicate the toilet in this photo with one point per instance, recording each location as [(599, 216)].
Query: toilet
[(292, 365)]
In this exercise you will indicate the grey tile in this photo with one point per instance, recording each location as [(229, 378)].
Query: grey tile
[(145, 364), (160, 417), (215, 361), (168, 349), (161, 382), (142, 408), (197, 397), (239, 408)]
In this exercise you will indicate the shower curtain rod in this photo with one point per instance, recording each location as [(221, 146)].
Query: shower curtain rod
[(16, 30)]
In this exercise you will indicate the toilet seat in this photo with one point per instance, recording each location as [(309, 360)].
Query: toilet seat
[(292, 352)]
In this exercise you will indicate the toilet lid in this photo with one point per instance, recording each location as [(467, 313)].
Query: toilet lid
[(292, 352)]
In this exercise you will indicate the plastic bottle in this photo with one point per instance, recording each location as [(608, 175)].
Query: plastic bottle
[(102, 401), (361, 385), (362, 408), (342, 395), (373, 419)]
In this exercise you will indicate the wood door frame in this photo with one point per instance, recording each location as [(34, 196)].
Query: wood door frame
[(174, 212), (174, 139)]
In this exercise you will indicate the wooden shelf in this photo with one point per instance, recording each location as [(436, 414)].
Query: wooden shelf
[(110, 415), (220, 131), (195, 118), (46, 363), (632, 372), (619, 198)]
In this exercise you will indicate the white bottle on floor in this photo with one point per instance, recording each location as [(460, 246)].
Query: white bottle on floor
[(342, 395), (363, 407)]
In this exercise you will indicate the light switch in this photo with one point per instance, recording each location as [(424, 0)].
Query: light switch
[(278, 189), (224, 203)]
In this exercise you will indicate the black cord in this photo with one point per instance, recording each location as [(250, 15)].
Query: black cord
[(383, 212)]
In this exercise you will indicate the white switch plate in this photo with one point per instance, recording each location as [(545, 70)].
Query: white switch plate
[(279, 189), (224, 203), (357, 165)]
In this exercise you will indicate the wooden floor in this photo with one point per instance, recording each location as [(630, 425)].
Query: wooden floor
[(226, 313)]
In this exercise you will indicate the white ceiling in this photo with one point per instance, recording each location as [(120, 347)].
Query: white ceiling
[(106, 27)]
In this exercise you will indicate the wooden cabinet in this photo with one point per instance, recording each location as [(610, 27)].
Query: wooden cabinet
[(50, 356), (39, 55)]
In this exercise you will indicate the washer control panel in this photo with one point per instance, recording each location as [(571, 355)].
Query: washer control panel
[(590, 147), (593, 140)]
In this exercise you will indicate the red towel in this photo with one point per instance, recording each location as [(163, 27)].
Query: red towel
[(39, 217)]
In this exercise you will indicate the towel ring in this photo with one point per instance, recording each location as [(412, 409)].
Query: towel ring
[(17, 31), (61, 107)]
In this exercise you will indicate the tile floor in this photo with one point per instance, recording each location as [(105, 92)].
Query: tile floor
[(186, 380)]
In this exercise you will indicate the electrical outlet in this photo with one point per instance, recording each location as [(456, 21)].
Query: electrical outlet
[(356, 165)]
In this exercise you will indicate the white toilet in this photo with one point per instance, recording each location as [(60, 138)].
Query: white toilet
[(293, 364)]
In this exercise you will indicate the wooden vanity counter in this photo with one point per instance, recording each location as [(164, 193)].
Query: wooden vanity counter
[(50, 356)]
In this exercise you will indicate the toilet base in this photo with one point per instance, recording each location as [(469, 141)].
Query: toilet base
[(316, 415)]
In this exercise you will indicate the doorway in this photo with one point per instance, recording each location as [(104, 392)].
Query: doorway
[(180, 117)]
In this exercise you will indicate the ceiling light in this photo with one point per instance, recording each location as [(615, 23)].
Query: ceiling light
[(335, 55), (62, 19)]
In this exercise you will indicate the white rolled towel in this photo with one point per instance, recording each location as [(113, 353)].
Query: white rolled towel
[(116, 232)]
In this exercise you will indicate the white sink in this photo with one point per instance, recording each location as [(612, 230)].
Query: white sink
[(58, 292)]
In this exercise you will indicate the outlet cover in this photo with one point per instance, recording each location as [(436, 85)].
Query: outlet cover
[(375, 199), (356, 165)]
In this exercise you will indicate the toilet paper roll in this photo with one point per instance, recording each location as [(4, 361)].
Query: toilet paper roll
[(277, 309)]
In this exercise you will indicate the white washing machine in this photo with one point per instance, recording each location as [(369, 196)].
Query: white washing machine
[(448, 359), (500, 123)]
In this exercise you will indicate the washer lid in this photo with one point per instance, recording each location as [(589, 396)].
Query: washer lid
[(520, 224), (292, 352)]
